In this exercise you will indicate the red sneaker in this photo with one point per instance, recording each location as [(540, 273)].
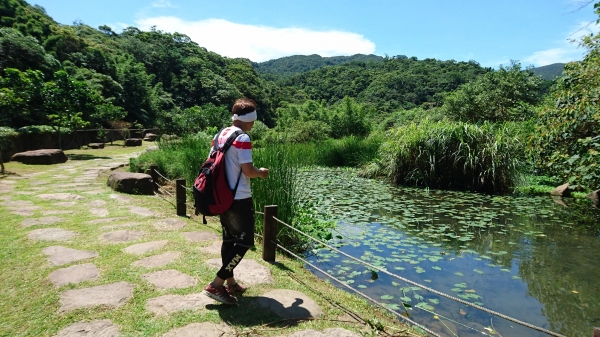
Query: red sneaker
[(219, 294), (235, 289)]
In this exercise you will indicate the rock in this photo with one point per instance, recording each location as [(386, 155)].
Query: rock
[(143, 248), (169, 224), (214, 248), (96, 145), (200, 236), (562, 191), (61, 196), (151, 148), (74, 274), (111, 295), (150, 137), (97, 328), (595, 196), (289, 304), (202, 330), (59, 255), (155, 261), (167, 279), (47, 220), (248, 271), (167, 304), (331, 332), (51, 234), (122, 236), (41, 157), (133, 142), (131, 183)]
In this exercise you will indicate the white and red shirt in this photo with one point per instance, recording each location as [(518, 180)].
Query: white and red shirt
[(240, 152)]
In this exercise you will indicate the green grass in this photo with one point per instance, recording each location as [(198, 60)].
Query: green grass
[(30, 302)]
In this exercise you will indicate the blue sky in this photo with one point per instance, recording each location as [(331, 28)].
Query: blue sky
[(534, 32)]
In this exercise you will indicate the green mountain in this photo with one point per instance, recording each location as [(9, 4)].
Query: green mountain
[(291, 65), (549, 72)]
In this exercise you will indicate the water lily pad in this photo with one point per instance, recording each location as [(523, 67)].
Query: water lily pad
[(459, 273), (387, 297)]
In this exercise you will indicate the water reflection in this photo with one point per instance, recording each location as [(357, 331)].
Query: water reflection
[(529, 258)]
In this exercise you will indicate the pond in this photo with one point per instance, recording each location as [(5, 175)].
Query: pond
[(530, 258)]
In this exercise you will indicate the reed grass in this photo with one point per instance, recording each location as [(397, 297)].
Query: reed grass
[(452, 155)]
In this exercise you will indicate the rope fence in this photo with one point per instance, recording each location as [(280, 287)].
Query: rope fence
[(270, 246)]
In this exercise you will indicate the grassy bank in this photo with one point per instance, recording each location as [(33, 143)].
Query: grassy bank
[(31, 303)]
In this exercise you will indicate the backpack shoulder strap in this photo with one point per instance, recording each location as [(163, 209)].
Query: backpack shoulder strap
[(230, 140)]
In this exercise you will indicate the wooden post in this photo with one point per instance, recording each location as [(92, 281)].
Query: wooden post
[(180, 196), (596, 332), (154, 175), (269, 233)]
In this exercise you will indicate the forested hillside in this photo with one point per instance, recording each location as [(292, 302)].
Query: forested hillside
[(549, 72), (291, 65), (90, 77), (397, 83)]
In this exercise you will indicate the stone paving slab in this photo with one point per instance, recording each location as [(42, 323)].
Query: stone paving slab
[(200, 236), (331, 332), (23, 213), (168, 304), (51, 234), (122, 236), (74, 274), (94, 192), (61, 196), (143, 248), (289, 304), (99, 212), (170, 278), (142, 211), (57, 212), (169, 224), (120, 197), (47, 220), (107, 220), (59, 255), (249, 272), (214, 248), (17, 203), (97, 328), (120, 226), (156, 261), (202, 330), (65, 204), (96, 203), (112, 295)]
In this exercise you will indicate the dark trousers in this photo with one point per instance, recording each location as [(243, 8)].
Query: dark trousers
[(238, 235)]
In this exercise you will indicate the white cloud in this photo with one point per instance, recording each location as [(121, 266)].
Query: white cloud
[(261, 43), (567, 50), (163, 4)]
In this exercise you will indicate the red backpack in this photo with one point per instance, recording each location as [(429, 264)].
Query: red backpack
[(212, 195)]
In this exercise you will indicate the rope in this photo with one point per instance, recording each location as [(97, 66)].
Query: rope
[(551, 333), (257, 212), (188, 188), (360, 293), (163, 190), (258, 235), (165, 178)]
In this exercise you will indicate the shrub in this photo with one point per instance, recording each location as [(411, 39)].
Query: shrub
[(40, 129), (486, 158)]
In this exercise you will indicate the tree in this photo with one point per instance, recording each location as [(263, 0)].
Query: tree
[(23, 53), (567, 140), (508, 94), (68, 103), (21, 100)]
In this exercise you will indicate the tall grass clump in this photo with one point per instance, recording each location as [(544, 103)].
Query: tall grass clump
[(452, 155)]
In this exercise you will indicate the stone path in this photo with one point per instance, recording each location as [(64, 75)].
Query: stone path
[(70, 265)]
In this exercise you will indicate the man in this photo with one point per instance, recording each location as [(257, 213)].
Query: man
[(238, 221)]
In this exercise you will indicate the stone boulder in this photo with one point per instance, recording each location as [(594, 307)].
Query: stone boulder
[(595, 196), (41, 157), (131, 183), (133, 142), (562, 191), (150, 137), (96, 145)]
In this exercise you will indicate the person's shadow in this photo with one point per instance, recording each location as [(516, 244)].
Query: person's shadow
[(258, 310)]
